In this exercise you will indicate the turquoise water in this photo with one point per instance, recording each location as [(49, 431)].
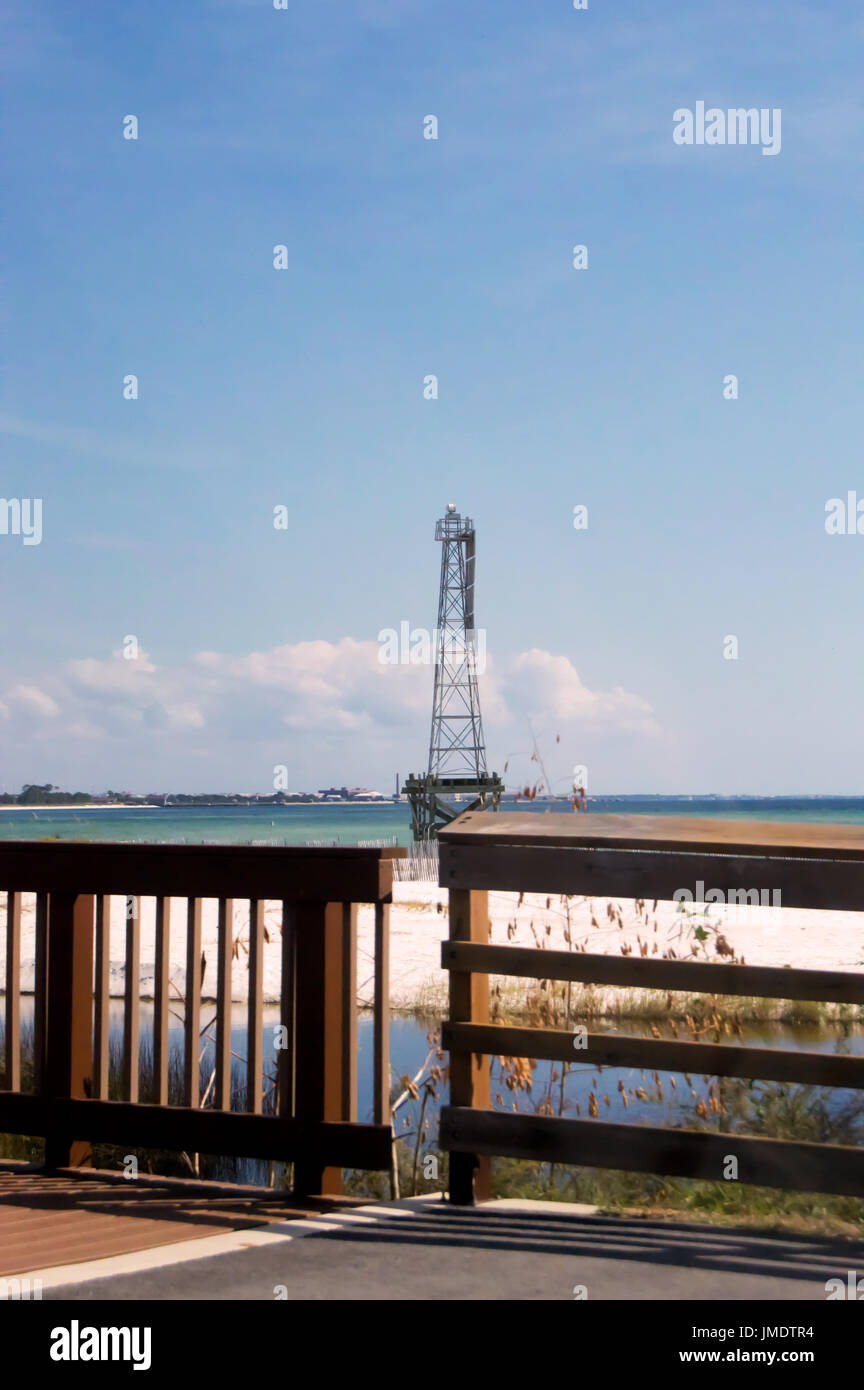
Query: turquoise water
[(226, 825), (296, 825)]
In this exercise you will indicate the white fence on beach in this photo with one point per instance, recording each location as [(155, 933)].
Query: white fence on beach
[(421, 864)]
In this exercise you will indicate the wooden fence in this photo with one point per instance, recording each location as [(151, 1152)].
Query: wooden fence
[(315, 1125), (637, 857)]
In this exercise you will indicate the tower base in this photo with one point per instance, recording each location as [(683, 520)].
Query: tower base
[(434, 801)]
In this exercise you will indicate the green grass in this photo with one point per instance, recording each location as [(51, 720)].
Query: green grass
[(648, 1195)]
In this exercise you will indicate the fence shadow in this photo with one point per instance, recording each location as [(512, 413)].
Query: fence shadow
[(731, 1250)]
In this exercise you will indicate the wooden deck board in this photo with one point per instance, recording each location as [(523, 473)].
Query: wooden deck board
[(71, 1218)]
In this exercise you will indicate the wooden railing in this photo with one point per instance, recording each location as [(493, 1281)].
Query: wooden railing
[(637, 857), (315, 1121)]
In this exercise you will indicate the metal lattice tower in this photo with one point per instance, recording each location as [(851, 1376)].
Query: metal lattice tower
[(457, 755)]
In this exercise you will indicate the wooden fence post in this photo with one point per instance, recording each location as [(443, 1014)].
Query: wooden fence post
[(470, 1174), (320, 1017), (12, 1072), (69, 1018), (381, 1113)]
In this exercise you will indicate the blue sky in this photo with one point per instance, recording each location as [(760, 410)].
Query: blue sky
[(304, 387)]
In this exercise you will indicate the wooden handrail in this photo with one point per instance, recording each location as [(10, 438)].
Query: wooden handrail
[(295, 874), (685, 834), (594, 856)]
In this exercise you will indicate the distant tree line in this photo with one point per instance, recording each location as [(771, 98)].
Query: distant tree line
[(46, 794)]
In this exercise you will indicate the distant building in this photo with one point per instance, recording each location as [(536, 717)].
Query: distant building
[(349, 794)]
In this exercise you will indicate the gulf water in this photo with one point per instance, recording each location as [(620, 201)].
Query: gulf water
[(389, 822)]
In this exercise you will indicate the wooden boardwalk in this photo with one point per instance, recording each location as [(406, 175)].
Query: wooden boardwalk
[(69, 1218)]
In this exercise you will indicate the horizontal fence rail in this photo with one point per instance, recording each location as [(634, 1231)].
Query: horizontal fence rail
[(781, 1163), (638, 972), (203, 1131), (306, 1111), (657, 1054), (645, 857)]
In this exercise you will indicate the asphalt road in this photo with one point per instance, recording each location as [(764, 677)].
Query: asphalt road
[(514, 1251)]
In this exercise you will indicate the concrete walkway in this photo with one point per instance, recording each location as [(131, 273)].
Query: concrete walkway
[(425, 1249)]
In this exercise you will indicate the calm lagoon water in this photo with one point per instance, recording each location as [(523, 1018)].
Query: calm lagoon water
[(409, 1047)]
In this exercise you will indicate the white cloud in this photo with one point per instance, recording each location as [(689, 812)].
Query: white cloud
[(34, 700), (117, 675), (309, 702), (324, 685), (550, 687), (184, 716)]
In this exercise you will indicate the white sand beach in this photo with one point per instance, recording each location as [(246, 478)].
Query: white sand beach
[(418, 924)]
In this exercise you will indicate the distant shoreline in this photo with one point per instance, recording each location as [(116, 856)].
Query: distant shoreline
[(711, 803), (85, 806), (191, 806)]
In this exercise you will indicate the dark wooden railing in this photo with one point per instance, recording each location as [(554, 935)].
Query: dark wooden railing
[(637, 857), (315, 1121)]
